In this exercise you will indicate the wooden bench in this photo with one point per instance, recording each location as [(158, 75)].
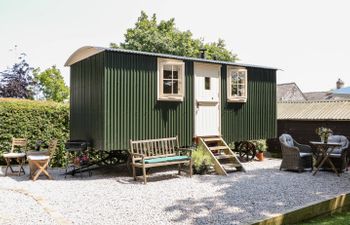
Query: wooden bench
[(158, 152)]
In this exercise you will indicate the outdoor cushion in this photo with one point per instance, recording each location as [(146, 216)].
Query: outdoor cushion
[(335, 155), (339, 139), (167, 159), (287, 140), (302, 154), (38, 157), (14, 155), (336, 151)]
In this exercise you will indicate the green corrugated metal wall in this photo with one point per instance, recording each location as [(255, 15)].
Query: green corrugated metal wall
[(131, 107), (86, 100), (255, 119), (114, 99)]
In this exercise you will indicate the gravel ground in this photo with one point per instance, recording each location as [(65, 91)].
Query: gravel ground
[(112, 197)]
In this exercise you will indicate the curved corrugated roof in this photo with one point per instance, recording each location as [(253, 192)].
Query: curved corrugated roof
[(87, 51), (314, 110)]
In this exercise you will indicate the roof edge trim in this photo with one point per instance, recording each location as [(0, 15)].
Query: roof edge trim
[(88, 51), (83, 53)]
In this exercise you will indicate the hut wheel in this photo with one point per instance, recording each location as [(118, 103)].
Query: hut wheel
[(247, 151)]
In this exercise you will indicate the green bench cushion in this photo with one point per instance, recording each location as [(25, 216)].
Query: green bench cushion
[(167, 159)]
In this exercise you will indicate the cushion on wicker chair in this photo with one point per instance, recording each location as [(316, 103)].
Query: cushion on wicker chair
[(287, 140), (336, 155), (341, 140), (336, 151), (303, 154)]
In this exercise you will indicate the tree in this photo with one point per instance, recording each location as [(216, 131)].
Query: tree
[(163, 37), (17, 82), (51, 83)]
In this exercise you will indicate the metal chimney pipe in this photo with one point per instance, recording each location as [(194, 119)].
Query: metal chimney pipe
[(340, 84), (202, 50)]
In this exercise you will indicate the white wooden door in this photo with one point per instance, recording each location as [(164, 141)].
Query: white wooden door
[(207, 99)]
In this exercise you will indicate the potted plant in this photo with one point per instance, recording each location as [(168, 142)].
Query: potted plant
[(260, 146), (202, 161), (324, 133)]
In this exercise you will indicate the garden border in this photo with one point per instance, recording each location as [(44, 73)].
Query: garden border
[(336, 204)]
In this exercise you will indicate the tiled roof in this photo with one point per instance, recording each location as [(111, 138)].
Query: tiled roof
[(318, 96), (322, 95), (289, 92), (314, 110)]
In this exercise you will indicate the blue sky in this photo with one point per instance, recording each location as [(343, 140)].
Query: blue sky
[(309, 40)]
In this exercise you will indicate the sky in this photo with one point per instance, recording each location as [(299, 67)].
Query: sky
[(308, 40)]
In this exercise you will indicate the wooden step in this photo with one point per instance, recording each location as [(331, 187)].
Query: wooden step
[(219, 157), (217, 148), (211, 139), (229, 167), (226, 157)]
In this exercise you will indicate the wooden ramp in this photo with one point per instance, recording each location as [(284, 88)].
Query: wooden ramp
[(223, 157)]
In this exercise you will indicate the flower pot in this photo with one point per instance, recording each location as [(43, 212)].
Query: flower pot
[(324, 139), (260, 156)]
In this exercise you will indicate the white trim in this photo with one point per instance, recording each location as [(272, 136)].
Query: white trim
[(231, 98), (170, 97), (83, 53)]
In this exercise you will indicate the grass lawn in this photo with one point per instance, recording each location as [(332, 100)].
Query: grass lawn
[(335, 219)]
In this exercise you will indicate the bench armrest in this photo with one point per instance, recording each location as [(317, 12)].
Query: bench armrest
[(137, 155)]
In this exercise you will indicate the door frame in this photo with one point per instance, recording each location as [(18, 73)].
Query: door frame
[(195, 65)]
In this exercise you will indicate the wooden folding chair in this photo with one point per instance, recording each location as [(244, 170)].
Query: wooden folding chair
[(20, 143), (38, 163)]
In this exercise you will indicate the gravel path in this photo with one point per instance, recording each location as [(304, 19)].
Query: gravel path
[(111, 197)]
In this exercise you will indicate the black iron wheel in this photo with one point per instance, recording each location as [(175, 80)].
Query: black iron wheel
[(247, 151)]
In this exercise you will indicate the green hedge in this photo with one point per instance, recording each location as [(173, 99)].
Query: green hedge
[(34, 120)]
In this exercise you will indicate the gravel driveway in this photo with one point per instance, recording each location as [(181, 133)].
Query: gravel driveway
[(112, 197)]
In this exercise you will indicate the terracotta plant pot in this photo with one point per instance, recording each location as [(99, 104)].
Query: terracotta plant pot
[(260, 156)]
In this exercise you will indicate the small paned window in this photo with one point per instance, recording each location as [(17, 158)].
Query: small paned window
[(237, 84), (170, 80), (207, 83)]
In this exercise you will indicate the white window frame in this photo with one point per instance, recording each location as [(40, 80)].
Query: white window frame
[(181, 80), (230, 97)]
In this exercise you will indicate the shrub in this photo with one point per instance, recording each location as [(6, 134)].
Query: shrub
[(260, 145), (201, 160), (34, 120)]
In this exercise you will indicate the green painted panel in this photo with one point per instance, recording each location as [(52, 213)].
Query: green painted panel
[(86, 100), (131, 107), (255, 119), (114, 99)]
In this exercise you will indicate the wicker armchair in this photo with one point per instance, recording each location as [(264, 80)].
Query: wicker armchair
[(340, 155), (295, 156)]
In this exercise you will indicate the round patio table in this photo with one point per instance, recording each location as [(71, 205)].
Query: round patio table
[(324, 150)]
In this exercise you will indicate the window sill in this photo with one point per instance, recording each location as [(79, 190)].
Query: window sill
[(238, 100), (171, 99)]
